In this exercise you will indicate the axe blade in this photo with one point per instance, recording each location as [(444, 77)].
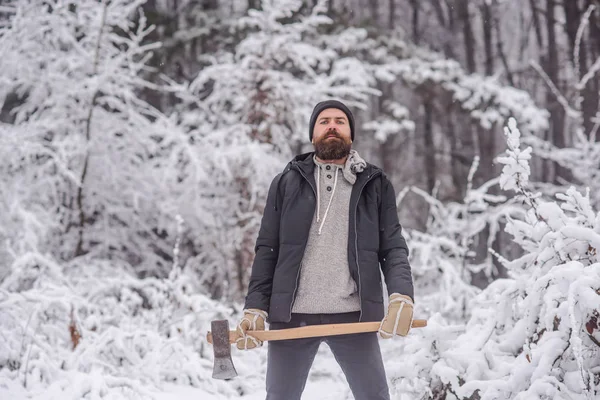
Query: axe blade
[(223, 367)]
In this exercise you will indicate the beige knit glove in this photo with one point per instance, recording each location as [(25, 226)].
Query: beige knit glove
[(253, 320), (398, 319)]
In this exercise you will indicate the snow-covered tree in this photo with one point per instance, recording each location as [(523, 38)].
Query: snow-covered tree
[(93, 329), (87, 167), (391, 59), (581, 157), (533, 335), (536, 334), (442, 258), (251, 106)]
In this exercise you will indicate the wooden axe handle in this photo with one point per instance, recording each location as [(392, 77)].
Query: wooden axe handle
[(315, 331)]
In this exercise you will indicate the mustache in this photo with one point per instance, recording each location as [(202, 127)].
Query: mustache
[(332, 132)]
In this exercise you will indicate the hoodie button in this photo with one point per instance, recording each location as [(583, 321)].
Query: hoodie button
[(329, 188), (328, 167), (329, 176)]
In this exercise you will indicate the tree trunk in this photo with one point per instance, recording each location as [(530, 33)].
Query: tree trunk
[(373, 9), (546, 166), (537, 26), (467, 136), (557, 113), (428, 142), (429, 147), (457, 160), (501, 54), (79, 250), (462, 10), (460, 140), (487, 145), (487, 152), (387, 149), (415, 21), (392, 14), (470, 135), (439, 12), (488, 23), (447, 23)]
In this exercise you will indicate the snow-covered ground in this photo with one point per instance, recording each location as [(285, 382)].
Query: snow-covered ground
[(89, 329), (326, 382)]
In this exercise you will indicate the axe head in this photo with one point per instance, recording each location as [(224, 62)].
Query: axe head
[(223, 367)]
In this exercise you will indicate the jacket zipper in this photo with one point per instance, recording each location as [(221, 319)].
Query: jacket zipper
[(305, 242), (369, 178)]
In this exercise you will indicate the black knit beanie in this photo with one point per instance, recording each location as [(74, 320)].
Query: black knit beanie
[(330, 104)]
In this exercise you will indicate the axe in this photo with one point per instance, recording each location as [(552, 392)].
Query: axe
[(221, 338)]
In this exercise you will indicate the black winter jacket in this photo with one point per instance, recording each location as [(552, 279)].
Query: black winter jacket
[(374, 239)]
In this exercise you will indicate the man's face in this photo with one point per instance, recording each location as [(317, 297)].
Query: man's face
[(331, 135)]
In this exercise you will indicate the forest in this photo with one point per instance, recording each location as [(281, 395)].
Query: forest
[(138, 140)]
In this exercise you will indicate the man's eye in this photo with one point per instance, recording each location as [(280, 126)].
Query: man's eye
[(323, 122), (341, 122)]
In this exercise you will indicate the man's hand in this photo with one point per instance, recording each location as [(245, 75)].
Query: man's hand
[(399, 316), (253, 320)]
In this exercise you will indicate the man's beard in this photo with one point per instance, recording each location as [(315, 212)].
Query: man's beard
[(332, 149)]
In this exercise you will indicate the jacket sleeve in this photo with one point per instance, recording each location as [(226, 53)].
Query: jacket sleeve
[(266, 252), (393, 251)]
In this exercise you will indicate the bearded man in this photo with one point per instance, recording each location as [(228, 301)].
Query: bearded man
[(329, 228)]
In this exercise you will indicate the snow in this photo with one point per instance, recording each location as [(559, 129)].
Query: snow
[(145, 339), (111, 299)]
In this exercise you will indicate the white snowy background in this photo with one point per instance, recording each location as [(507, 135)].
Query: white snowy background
[(125, 227)]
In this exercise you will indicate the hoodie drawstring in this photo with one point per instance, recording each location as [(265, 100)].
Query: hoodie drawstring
[(319, 197), (318, 193)]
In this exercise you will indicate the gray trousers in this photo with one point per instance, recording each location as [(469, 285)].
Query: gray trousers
[(358, 355)]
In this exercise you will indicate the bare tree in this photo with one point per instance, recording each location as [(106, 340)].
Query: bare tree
[(462, 10), (429, 145), (574, 19), (415, 20), (391, 14), (552, 69), (374, 11)]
